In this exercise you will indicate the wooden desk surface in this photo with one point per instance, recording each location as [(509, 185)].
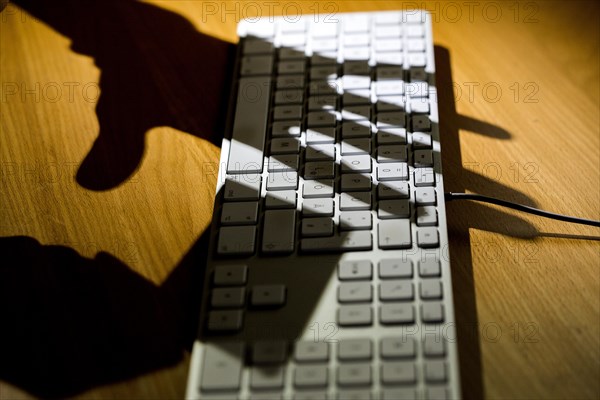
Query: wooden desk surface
[(110, 123)]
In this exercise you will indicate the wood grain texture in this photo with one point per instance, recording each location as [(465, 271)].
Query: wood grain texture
[(110, 124)]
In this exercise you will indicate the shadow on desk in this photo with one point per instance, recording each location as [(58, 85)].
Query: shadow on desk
[(72, 323)]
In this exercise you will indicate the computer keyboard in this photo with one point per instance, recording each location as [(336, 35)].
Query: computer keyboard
[(328, 275)]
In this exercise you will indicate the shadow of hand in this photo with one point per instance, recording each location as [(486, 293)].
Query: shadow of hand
[(156, 70)]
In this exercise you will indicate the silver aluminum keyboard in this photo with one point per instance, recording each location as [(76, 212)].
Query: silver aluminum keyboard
[(328, 275)]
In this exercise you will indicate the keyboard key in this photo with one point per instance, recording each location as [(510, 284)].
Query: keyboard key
[(312, 227), (352, 129), (293, 96), (356, 146), (319, 169), (283, 162), (324, 58), (256, 65), (419, 75), (285, 146), (432, 312), (419, 106), (360, 163), (242, 187), (434, 346), (399, 372), (355, 315), (389, 58), (287, 112), (320, 135), (347, 241), (268, 295), (391, 135), (355, 201), (222, 321), (291, 67), (317, 207), (319, 103), (279, 231), (321, 118), (424, 177), (262, 378), (398, 347), (355, 349), (389, 73), (390, 103), (428, 237), (417, 60), (414, 31), (355, 182), (286, 180), (393, 190), (237, 240), (355, 97), (431, 289), (391, 119), (392, 171), (228, 297), (325, 29), (393, 314), (225, 371), (394, 234), (390, 87), (360, 113), (350, 82), (244, 213), (420, 123), (269, 352), (310, 376), (355, 292), (320, 152), (435, 371), (356, 54), (429, 268), (390, 209), (355, 270), (427, 216), (280, 199), (317, 188), (290, 82), (253, 46), (394, 268), (425, 196), (311, 351), (421, 140), (226, 275), (354, 375), (392, 153), (396, 290), (423, 158), (417, 90), (351, 220), (286, 129)]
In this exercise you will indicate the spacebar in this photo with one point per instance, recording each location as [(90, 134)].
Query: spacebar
[(249, 126), (349, 241)]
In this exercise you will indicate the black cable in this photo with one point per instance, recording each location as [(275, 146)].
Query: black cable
[(519, 207)]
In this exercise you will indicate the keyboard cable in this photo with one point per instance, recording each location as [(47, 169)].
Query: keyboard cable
[(519, 207)]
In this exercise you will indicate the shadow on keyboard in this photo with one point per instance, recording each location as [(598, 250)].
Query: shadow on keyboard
[(95, 321)]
